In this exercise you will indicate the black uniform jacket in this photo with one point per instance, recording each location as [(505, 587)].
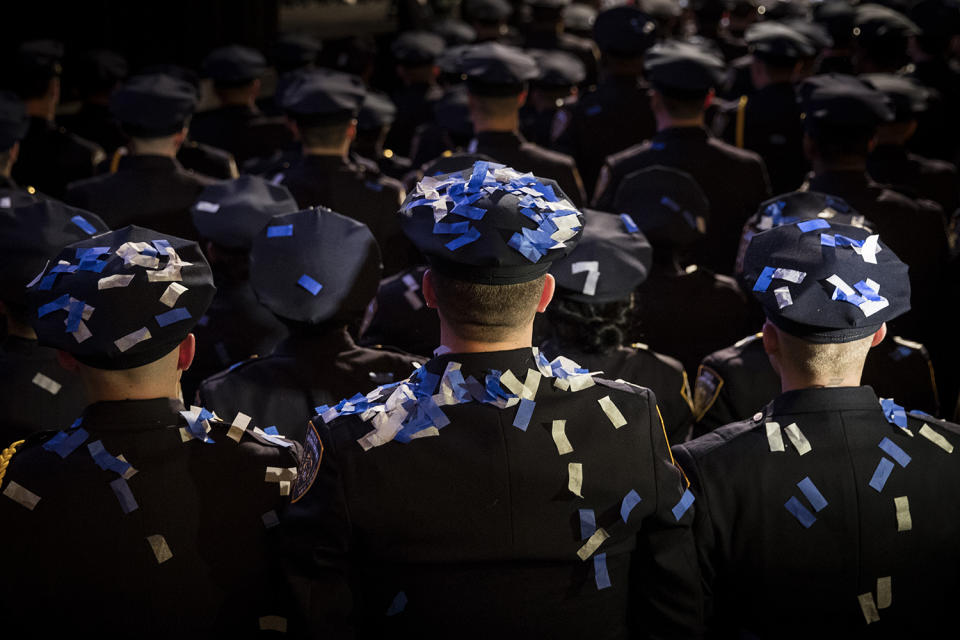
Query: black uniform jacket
[(734, 181), (475, 531), (513, 150), (182, 548), (915, 175), (242, 130), (150, 191), (639, 365), (50, 158), (36, 393), (350, 190), (735, 382), (306, 371), (855, 538)]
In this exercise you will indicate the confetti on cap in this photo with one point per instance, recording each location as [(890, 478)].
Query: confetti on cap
[(310, 284), (46, 383), (279, 230), (158, 544), (238, 426)]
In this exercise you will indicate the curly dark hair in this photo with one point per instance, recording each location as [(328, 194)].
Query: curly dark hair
[(592, 328)]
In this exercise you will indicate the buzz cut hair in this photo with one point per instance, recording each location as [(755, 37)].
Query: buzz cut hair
[(486, 312), (827, 360)]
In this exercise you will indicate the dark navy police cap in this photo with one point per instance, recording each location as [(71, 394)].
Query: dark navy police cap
[(122, 299), (908, 97), (153, 105), (793, 207), (487, 11), (320, 95), (33, 234), (681, 70), (454, 32), (377, 111), (234, 66), (558, 69), (100, 70), (315, 265), (40, 58), (231, 213), (494, 69), (624, 31), (841, 100), (13, 120), (666, 204), (611, 259), (816, 34), (294, 51), (826, 282), (416, 48), (878, 26), (777, 43), (490, 224), (455, 162)]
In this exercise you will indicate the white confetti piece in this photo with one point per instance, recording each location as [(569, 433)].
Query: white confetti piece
[(284, 487), (884, 593), (280, 474), (592, 544), (39, 275), (273, 623), (171, 272), (510, 383), (171, 294), (131, 339), (160, 549), (82, 332), (531, 385), (209, 207), (613, 413), (238, 426), (784, 299), (49, 385), (426, 433), (560, 437), (580, 382), (575, 478), (21, 494), (5, 202), (797, 439), (868, 608), (936, 438), (775, 437), (114, 281), (790, 275), (904, 521), (869, 252)]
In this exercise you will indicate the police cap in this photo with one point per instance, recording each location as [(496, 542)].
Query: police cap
[(840, 100), (152, 106), (231, 213), (666, 204), (624, 31), (494, 69), (683, 71), (234, 66), (908, 97), (417, 48)]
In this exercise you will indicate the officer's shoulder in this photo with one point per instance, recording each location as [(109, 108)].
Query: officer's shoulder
[(19, 459), (926, 426), (621, 386), (734, 435), (629, 153), (548, 155), (250, 441), (732, 153), (88, 184), (903, 348), (735, 352), (645, 352)]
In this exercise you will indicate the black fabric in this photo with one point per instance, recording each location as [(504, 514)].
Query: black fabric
[(242, 131), (50, 158)]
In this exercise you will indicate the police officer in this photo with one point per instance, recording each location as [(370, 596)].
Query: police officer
[(398, 318), (734, 180), (237, 125), (35, 392), (415, 54), (837, 17), (882, 37), (489, 20), (589, 319), (228, 216), (317, 271), (768, 120), (13, 126), (555, 84), (734, 382), (497, 82), (98, 73), (324, 106), (374, 122), (683, 309), (546, 31), (50, 157), (174, 534), (150, 186), (891, 163), (548, 453), (840, 505), (616, 114)]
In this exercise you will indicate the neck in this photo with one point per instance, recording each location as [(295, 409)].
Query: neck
[(164, 147), (41, 108), (340, 152), (793, 380), (666, 121), (843, 164), (506, 124), (108, 388), (522, 338)]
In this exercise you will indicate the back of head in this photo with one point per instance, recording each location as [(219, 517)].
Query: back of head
[(666, 204), (683, 74), (315, 268), (624, 32), (323, 103), (36, 63), (231, 213), (122, 299), (841, 114), (234, 66), (153, 105)]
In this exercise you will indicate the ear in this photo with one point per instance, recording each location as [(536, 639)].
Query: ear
[(879, 335), (181, 136), (872, 144), (522, 98), (771, 338), (15, 150), (429, 293), (549, 286), (709, 99), (67, 361), (255, 89), (352, 130), (292, 125), (188, 348), (656, 104)]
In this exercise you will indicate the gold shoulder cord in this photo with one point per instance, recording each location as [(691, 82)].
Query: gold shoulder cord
[(5, 456), (741, 120)]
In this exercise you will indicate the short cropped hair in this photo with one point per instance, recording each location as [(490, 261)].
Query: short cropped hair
[(683, 108), (496, 106), (824, 361), (323, 134), (836, 142), (485, 312)]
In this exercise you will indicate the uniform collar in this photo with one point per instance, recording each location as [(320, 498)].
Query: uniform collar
[(324, 161), (132, 415), (498, 139), (478, 363), (303, 345), (8, 183), (673, 134), (135, 162), (820, 399), (839, 181)]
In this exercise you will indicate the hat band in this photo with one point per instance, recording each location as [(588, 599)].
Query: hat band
[(489, 274), (823, 335)]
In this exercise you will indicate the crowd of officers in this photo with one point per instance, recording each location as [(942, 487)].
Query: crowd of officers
[(330, 344)]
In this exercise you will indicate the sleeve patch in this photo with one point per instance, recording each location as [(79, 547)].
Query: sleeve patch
[(309, 464), (705, 390)]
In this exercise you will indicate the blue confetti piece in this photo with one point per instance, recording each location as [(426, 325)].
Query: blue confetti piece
[(105, 460), (94, 265), (235, 365), (895, 452), (844, 241), (670, 203), (63, 444), (161, 245), (658, 146), (524, 247), (398, 605), (894, 413), (548, 193), (436, 415), (764, 280), (374, 186), (76, 423), (600, 570), (524, 412), (279, 230), (630, 501), (533, 215), (594, 110), (800, 512), (478, 176), (322, 409), (812, 225), (47, 283), (588, 523), (460, 392), (455, 227), (470, 236), (428, 384), (468, 211), (91, 252), (56, 305), (681, 507), (310, 284), (272, 430), (881, 473), (827, 240), (124, 495), (812, 494), (64, 268), (174, 315), (85, 226), (839, 205), (75, 316)]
